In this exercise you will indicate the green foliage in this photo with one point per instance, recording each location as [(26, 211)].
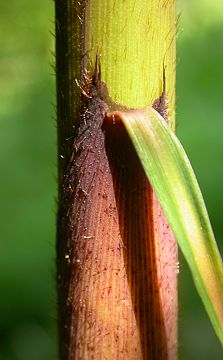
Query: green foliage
[(28, 187), (199, 87)]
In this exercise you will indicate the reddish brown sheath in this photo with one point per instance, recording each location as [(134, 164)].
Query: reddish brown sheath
[(116, 253)]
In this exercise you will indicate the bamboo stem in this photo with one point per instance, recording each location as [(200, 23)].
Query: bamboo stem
[(116, 256)]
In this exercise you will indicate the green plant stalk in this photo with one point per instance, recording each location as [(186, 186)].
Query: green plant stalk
[(134, 40)]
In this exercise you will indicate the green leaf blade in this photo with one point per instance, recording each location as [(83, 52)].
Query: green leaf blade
[(171, 175)]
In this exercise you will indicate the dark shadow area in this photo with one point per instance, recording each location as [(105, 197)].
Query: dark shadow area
[(132, 193)]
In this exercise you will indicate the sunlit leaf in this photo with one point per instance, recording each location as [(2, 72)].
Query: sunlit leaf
[(171, 175)]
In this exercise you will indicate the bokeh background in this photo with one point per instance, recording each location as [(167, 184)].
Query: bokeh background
[(28, 170)]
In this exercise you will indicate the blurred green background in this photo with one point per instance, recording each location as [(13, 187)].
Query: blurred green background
[(28, 176)]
